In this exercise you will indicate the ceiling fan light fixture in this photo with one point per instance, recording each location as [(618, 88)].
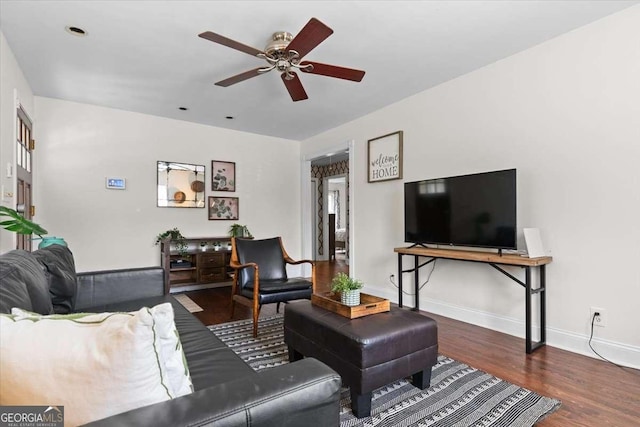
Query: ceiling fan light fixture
[(283, 65), (284, 53), (278, 44)]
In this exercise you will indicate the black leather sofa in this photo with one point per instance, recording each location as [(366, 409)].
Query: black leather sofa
[(227, 391)]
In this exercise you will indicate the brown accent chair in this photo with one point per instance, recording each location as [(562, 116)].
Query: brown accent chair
[(261, 276)]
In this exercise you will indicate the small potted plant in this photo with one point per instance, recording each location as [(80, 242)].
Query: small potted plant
[(20, 225), (203, 246), (348, 288), (216, 246), (239, 230), (177, 238)]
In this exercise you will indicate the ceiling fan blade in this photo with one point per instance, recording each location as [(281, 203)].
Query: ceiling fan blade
[(294, 86), (311, 35), (239, 77), (333, 71), (217, 38)]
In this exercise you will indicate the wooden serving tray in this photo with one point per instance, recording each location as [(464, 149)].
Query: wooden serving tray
[(369, 304)]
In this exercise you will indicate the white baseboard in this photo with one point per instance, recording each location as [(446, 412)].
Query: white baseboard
[(619, 353)]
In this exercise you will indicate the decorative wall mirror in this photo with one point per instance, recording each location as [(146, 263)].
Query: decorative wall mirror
[(180, 185)]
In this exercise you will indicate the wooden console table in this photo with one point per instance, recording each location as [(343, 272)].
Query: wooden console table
[(203, 267), (495, 260)]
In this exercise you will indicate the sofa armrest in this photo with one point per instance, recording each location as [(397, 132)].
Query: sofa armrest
[(105, 287), (303, 393)]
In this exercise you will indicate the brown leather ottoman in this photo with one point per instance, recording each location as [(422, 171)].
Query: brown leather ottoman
[(368, 352)]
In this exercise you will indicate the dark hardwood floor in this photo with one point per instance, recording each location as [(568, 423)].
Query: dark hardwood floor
[(593, 392), (217, 302)]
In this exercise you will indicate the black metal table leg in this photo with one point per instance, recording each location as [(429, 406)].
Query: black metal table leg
[(527, 309), (543, 305), (416, 283), (400, 280), (531, 346)]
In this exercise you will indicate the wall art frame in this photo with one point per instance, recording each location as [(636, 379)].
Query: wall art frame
[(223, 176), (180, 185), (384, 157), (223, 208)]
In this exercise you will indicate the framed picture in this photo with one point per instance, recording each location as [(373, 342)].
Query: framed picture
[(223, 176), (180, 185), (384, 157), (223, 208)]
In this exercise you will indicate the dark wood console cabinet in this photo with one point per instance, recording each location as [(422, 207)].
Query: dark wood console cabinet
[(199, 267)]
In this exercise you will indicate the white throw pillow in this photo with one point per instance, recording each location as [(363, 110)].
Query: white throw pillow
[(171, 353), (95, 365)]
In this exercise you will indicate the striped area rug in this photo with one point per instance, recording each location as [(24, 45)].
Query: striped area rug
[(459, 396)]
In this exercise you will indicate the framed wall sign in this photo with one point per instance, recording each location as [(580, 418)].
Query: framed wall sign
[(384, 157), (223, 176), (223, 208)]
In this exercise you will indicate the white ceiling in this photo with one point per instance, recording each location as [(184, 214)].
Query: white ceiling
[(146, 56)]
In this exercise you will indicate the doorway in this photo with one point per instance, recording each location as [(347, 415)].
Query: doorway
[(329, 206), (311, 199)]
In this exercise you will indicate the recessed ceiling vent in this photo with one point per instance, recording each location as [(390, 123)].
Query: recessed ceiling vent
[(76, 31)]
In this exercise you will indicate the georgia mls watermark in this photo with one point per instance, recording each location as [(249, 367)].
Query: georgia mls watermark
[(31, 416)]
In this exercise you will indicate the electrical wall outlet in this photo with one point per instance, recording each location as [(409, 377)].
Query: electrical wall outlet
[(600, 316)]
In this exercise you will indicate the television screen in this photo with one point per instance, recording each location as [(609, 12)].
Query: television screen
[(469, 210)]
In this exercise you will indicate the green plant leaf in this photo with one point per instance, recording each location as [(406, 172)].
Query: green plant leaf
[(19, 224), (342, 282)]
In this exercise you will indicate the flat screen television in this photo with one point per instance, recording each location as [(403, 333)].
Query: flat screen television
[(476, 210)]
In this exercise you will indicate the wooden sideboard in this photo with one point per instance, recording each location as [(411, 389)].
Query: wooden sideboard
[(197, 266)]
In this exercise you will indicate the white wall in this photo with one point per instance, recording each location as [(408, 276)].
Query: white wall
[(79, 145), (566, 114), (13, 87)]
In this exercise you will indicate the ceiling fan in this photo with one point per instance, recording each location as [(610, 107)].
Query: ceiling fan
[(284, 53)]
